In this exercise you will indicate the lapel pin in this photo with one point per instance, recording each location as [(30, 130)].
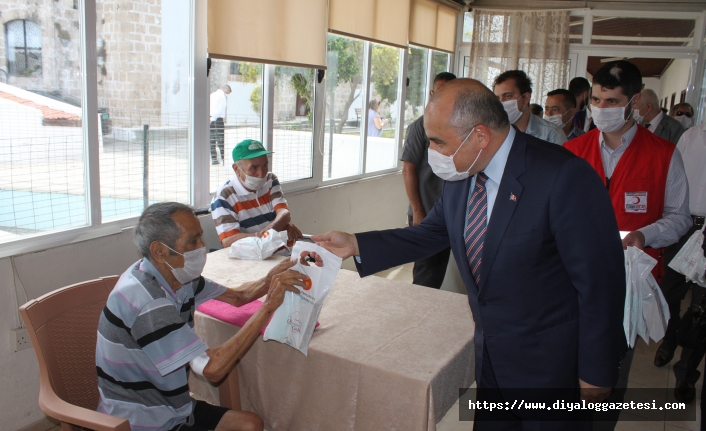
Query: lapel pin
[(513, 197)]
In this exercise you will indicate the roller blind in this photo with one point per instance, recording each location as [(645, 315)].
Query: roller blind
[(269, 31), (385, 21), (433, 25)]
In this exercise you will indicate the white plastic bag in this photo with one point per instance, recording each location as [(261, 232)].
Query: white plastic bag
[(294, 321), (646, 310), (258, 248), (690, 260)]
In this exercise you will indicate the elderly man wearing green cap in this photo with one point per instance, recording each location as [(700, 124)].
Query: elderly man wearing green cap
[(251, 202)]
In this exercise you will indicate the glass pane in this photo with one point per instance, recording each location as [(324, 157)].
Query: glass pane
[(243, 113), (383, 109), (608, 30), (440, 62), (466, 65), (293, 142), (143, 104), (417, 89), (468, 27), (344, 107), (42, 166)]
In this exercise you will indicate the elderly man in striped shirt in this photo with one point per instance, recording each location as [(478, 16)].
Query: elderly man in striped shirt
[(146, 342), (251, 203)]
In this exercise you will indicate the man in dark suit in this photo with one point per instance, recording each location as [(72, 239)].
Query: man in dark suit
[(533, 233)]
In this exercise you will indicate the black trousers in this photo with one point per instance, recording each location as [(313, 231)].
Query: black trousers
[(430, 272), (217, 138)]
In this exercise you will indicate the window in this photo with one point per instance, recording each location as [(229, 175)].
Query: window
[(293, 137), (42, 167), (440, 62), (243, 118), (344, 107), (383, 108), (417, 68), (143, 99), (467, 27), (24, 46)]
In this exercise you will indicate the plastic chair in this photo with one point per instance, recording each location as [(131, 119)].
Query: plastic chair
[(62, 326)]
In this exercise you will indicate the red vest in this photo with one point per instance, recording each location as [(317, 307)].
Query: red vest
[(637, 187)]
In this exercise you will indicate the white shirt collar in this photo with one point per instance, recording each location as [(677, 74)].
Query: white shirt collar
[(625, 140), (655, 121), (496, 167)]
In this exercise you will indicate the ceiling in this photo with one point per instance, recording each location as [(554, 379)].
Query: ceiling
[(649, 67), (642, 5)]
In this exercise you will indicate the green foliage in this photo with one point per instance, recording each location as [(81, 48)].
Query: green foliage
[(385, 60), (303, 88), (350, 57), (251, 72), (440, 62), (416, 71), (256, 99)]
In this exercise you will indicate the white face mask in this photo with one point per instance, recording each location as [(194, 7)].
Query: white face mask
[(557, 119), (609, 120), (513, 112), (637, 117), (252, 183), (444, 166), (194, 262), (684, 120)]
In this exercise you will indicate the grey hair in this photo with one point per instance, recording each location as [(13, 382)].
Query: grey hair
[(156, 224), (649, 96), (226, 87), (474, 106)]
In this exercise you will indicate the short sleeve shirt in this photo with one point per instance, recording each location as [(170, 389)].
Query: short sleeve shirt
[(415, 151), (236, 209), (145, 342)]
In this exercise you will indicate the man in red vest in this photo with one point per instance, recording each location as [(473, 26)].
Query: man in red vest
[(644, 174)]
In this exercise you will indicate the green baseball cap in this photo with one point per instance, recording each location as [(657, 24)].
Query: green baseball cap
[(249, 149)]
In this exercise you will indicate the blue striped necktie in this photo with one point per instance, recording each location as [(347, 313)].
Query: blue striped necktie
[(476, 225)]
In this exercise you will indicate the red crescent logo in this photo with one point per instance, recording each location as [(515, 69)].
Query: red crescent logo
[(307, 284), (637, 200)]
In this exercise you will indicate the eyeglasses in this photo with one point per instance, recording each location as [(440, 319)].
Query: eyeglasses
[(680, 113)]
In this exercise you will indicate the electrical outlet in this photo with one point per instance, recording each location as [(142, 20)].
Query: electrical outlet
[(20, 339)]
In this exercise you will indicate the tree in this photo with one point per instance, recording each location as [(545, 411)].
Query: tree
[(347, 55), (384, 73), (417, 73)]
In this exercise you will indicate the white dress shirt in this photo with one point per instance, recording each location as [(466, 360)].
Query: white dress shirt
[(692, 145), (218, 105), (655, 121), (675, 220), (494, 171)]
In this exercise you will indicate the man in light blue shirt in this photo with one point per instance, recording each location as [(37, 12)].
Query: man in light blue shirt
[(514, 89)]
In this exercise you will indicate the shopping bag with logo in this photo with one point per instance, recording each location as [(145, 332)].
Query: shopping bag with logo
[(690, 260), (258, 248), (294, 321)]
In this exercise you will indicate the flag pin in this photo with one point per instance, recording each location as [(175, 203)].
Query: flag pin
[(513, 197)]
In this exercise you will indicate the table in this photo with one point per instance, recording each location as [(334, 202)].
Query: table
[(388, 355)]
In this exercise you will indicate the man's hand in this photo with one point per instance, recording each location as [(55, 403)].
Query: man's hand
[(279, 268), (635, 239), (593, 394), (281, 283), (293, 232), (417, 217), (343, 245)]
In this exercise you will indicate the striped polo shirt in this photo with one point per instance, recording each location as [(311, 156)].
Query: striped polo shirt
[(145, 342), (237, 210)]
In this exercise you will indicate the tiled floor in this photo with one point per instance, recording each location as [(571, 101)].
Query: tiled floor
[(642, 374)]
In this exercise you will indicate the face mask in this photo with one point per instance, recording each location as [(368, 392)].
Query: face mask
[(252, 183), (609, 120), (684, 120), (194, 261), (637, 117), (557, 119), (513, 113), (444, 166)]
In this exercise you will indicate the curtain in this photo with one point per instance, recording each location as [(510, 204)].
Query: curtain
[(536, 42)]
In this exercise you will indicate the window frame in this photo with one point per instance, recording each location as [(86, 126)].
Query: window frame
[(199, 164)]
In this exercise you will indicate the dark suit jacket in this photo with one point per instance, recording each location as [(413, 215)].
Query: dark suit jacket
[(669, 129), (550, 303)]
